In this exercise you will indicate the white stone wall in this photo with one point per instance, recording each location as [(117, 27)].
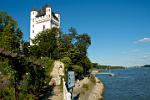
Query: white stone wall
[(66, 94), (37, 23), (32, 24)]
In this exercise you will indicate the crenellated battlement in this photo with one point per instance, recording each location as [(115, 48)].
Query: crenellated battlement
[(42, 18)]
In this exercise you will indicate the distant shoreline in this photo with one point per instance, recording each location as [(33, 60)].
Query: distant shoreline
[(145, 66)]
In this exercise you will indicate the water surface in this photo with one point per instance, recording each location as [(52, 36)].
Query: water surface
[(129, 84)]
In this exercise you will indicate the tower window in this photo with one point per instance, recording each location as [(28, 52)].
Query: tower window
[(33, 26), (43, 27), (32, 31)]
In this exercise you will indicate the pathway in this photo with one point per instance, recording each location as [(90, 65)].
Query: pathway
[(57, 73)]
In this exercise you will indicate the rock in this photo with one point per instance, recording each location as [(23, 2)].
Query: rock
[(94, 93), (57, 73)]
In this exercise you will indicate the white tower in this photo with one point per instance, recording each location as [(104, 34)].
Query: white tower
[(43, 19)]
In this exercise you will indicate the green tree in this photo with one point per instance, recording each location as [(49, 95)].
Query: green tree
[(26, 78), (25, 49), (86, 64), (46, 42), (83, 42), (78, 70), (65, 45), (35, 51), (10, 39), (74, 46), (10, 34)]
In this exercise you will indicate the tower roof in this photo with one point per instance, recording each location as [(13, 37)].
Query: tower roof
[(46, 5), (43, 8), (57, 12), (34, 9)]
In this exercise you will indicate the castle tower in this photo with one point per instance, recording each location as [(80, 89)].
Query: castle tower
[(43, 19)]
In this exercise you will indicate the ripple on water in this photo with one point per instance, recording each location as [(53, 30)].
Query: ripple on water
[(130, 84)]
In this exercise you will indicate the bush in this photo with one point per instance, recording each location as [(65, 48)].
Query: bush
[(7, 93), (77, 68), (66, 60), (86, 86), (92, 79), (48, 64)]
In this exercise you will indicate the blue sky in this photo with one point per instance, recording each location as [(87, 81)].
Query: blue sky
[(119, 29)]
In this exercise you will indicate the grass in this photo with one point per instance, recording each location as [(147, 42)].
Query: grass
[(61, 86), (4, 77)]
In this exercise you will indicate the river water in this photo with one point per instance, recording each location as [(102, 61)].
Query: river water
[(127, 84)]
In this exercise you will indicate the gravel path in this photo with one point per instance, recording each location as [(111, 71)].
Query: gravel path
[(57, 73)]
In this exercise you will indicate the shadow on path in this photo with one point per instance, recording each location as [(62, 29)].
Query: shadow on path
[(46, 93), (76, 97)]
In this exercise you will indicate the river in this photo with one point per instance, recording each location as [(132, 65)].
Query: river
[(127, 84)]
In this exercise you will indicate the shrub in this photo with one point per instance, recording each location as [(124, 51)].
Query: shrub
[(86, 86), (48, 64), (66, 60), (92, 79), (77, 68)]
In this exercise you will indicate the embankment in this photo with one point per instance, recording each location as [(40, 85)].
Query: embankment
[(89, 89)]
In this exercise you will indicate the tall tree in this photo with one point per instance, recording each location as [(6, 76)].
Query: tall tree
[(83, 42), (10, 40), (25, 49), (74, 46), (46, 41), (10, 34)]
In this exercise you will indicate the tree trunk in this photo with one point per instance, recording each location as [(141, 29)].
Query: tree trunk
[(16, 91)]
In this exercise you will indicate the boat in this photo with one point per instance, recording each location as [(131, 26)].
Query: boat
[(111, 74)]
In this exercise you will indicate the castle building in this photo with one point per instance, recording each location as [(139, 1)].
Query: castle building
[(43, 19)]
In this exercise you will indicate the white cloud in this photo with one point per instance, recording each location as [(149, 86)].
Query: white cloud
[(144, 40)]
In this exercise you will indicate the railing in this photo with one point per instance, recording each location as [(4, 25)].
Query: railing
[(66, 94)]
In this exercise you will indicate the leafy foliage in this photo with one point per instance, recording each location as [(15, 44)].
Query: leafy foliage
[(92, 79), (10, 34), (25, 78), (66, 60), (46, 43), (48, 66), (74, 46), (28, 74)]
